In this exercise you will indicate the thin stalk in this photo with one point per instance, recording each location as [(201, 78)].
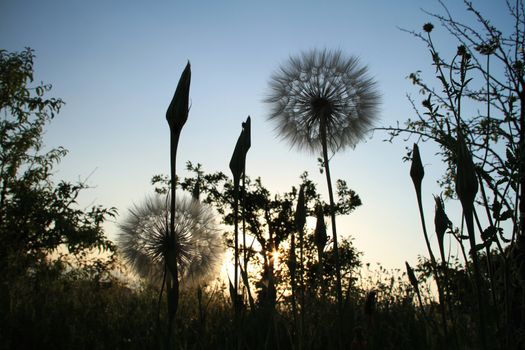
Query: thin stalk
[(160, 295), (468, 213), (447, 296), (236, 310), (433, 262), (301, 277), (320, 270), (334, 230), (294, 286), (236, 240), (490, 268), (462, 246), (521, 94), (245, 251), (174, 140)]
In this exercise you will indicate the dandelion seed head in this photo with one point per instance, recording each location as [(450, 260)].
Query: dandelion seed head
[(319, 87), (144, 238)]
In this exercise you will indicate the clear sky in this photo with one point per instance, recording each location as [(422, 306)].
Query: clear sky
[(116, 65)]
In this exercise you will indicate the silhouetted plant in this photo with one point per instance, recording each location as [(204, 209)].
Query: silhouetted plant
[(176, 116), (323, 101), (477, 119), (300, 222), (37, 216), (238, 168), (45, 234), (417, 173)]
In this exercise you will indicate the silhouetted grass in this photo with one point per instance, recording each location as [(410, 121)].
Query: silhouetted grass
[(75, 311)]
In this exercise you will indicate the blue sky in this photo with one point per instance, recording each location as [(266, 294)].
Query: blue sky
[(117, 63)]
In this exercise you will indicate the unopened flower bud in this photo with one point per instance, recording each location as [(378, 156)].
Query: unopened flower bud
[(177, 112), (441, 221), (427, 27), (411, 276), (416, 169), (466, 180), (300, 211), (320, 229)]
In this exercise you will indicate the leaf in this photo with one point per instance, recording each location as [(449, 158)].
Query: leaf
[(489, 233), (507, 214)]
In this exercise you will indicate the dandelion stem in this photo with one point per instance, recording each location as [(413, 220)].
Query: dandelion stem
[(334, 230), (172, 311)]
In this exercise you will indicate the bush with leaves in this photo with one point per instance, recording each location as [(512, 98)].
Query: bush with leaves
[(37, 216), (474, 114)]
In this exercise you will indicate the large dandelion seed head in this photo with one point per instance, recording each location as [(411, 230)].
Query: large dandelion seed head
[(144, 238), (320, 88)]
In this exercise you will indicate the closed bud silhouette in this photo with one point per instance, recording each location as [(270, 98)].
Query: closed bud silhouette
[(177, 112), (411, 276), (300, 211), (441, 221), (320, 229), (416, 169), (466, 180), (238, 160)]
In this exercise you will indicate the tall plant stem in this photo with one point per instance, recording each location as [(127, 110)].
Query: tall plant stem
[(236, 252), (301, 277), (293, 266), (468, 213), (434, 264), (236, 306), (236, 242), (173, 290), (244, 251), (334, 230)]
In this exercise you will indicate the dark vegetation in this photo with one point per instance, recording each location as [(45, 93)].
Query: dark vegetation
[(296, 288)]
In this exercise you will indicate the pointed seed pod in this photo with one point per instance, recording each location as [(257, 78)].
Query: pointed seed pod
[(466, 180), (300, 211), (441, 221), (320, 229), (238, 160), (247, 134), (416, 169), (177, 112), (411, 276)]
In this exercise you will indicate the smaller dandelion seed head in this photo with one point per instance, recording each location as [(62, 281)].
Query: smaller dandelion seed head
[(144, 238), (323, 89)]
